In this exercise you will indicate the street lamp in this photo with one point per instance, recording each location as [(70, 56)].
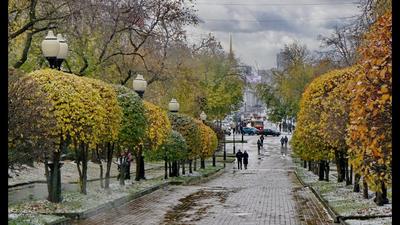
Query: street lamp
[(233, 126), (241, 125), (139, 85), (173, 106), (54, 49), (62, 52)]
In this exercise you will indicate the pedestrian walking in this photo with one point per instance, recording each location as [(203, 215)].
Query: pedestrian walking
[(239, 156), (245, 159), (286, 141), (122, 163), (262, 139), (258, 145), (282, 141), (129, 159), (280, 127)]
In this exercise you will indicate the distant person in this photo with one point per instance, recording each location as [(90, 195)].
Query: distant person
[(262, 139), (129, 159), (280, 127), (245, 159), (282, 141), (258, 145), (286, 141), (239, 156), (290, 129)]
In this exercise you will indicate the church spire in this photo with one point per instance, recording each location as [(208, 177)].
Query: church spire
[(231, 57), (230, 44)]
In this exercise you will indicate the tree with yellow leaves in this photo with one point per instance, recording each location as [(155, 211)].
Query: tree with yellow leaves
[(81, 118), (157, 132), (209, 142), (370, 130)]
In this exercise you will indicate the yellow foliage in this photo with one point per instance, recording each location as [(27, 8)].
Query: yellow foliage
[(85, 109), (158, 125), (370, 128), (208, 138)]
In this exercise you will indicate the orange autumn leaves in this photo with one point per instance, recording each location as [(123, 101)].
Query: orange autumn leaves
[(370, 129), (350, 110)]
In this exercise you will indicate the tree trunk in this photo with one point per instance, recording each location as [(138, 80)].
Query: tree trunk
[(183, 167), (177, 167), (340, 165), (357, 178), (213, 160), (309, 165), (165, 168), (305, 164), (110, 149), (54, 185), (190, 166), (142, 170), (195, 164), (83, 178), (170, 169), (351, 174), (98, 160), (327, 168), (202, 163), (365, 189), (381, 196), (138, 161), (321, 168), (348, 182)]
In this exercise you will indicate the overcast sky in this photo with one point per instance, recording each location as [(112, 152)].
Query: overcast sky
[(260, 28)]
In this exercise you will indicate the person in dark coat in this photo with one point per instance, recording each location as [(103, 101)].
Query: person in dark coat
[(262, 139), (239, 156), (282, 141), (286, 141), (258, 145), (245, 159)]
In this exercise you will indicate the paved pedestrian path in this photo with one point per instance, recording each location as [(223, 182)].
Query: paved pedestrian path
[(267, 192)]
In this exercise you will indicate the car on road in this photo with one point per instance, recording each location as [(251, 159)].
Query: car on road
[(269, 132), (249, 130)]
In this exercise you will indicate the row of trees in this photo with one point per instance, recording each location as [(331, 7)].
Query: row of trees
[(52, 113), (345, 115), (113, 40)]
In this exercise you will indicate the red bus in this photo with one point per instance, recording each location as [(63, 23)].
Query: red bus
[(259, 124)]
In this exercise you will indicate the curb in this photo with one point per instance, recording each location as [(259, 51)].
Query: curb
[(72, 182), (107, 205), (130, 197), (336, 217)]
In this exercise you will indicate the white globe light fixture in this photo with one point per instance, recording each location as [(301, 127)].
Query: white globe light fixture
[(50, 48), (63, 51), (173, 106), (139, 85), (203, 116)]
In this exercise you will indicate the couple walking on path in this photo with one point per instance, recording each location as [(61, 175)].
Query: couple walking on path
[(245, 157)]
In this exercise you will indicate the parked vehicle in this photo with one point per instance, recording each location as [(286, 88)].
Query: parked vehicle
[(249, 130), (269, 132)]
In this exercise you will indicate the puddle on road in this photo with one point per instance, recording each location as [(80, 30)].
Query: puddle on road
[(195, 206)]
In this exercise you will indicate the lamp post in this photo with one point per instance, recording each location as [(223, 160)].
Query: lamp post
[(241, 125), (139, 85), (233, 126), (173, 107), (54, 49), (203, 118)]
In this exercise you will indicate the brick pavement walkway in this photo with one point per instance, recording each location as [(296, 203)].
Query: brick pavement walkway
[(266, 193)]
